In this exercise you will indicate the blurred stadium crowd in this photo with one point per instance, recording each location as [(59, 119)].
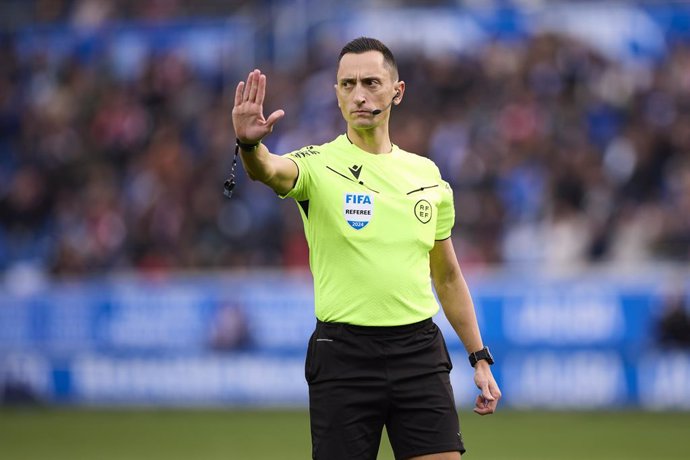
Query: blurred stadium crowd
[(557, 156)]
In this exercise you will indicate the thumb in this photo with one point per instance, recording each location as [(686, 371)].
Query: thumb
[(274, 117), (486, 394)]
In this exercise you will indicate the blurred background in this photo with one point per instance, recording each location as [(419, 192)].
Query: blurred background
[(127, 279)]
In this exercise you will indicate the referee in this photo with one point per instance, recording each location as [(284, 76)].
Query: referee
[(378, 222)]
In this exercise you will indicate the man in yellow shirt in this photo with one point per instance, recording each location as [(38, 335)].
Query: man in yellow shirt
[(378, 222)]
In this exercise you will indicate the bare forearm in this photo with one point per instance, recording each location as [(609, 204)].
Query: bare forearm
[(457, 305), (262, 165), (257, 163), (459, 310)]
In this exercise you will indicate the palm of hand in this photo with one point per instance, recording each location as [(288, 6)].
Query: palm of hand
[(247, 114)]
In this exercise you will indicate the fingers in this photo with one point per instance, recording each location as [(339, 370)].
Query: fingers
[(253, 83), (261, 90), (487, 401), (245, 94), (255, 88), (483, 406), (253, 91), (246, 88), (239, 91)]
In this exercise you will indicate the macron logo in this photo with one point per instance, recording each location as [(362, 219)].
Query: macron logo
[(355, 170)]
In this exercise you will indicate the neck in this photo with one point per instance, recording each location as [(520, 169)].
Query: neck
[(375, 140)]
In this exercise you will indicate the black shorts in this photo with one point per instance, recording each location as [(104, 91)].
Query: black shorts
[(362, 378)]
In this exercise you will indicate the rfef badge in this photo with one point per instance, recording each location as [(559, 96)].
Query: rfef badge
[(423, 211), (358, 209)]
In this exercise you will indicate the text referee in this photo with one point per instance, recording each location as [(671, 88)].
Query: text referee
[(378, 222)]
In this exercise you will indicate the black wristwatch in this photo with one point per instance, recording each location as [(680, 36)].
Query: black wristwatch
[(484, 353)]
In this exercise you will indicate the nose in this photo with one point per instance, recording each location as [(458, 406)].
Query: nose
[(359, 96)]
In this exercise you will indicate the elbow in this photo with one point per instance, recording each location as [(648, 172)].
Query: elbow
[(446, 280), (447, 275)]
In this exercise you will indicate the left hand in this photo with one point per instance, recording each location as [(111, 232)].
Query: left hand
[(487, 400)]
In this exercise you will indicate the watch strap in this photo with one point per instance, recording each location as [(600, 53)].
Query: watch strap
[(483, 354)]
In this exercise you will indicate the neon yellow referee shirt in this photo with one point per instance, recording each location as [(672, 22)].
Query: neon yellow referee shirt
[(370, 222)]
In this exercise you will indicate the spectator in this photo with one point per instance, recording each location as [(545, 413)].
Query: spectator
[(560, 157)]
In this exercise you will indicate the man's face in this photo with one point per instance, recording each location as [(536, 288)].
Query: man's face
[(364, 83)]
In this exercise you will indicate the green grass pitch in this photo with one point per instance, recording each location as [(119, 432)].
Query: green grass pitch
[(129, 434)]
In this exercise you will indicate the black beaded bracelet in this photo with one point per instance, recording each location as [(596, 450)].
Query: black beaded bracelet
[(246, 147)]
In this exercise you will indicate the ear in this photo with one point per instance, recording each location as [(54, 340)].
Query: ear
[(335, 87), (399, 91)]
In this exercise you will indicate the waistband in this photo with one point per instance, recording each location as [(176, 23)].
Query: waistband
[(376, 330)]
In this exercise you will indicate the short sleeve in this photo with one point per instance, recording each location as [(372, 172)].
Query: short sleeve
[(304, 158), (446, 212)]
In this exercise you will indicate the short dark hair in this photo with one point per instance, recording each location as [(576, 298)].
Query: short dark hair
[(363, 44)]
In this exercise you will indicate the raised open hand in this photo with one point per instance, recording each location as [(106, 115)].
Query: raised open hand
[(248, 111)]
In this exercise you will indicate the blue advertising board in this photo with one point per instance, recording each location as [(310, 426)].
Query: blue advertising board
[(240, 339)]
